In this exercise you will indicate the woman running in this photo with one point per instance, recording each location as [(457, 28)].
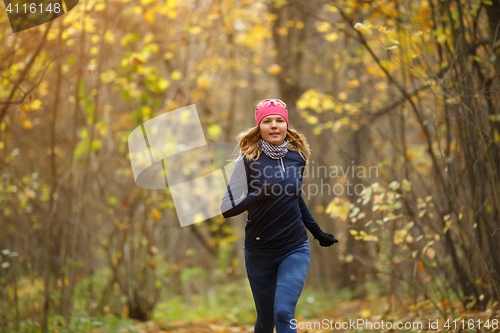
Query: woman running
[(270, 168)]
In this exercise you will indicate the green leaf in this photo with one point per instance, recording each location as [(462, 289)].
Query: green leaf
[(5, 264), (447, 226), (406, 186)]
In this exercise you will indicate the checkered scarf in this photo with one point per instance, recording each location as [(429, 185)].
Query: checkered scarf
[(274, 151)]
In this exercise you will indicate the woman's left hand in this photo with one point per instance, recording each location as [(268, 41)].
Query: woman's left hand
[(325, 239)]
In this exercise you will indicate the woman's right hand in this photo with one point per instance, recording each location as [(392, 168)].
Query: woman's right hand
[(266, 193)]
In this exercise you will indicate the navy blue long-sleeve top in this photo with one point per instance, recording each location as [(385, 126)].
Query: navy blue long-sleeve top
[(276, 225)]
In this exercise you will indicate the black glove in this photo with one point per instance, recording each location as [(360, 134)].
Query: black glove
[(324, 238), (266, 193)]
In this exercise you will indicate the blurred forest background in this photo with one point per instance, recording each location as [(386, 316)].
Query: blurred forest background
[(409, 86)]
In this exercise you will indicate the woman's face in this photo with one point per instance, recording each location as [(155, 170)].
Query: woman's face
[(273, 129)]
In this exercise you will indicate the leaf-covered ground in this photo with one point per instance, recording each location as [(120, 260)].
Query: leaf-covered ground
[(369, 310)]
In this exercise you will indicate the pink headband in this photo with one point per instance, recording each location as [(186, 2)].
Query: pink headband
[(268, 110)]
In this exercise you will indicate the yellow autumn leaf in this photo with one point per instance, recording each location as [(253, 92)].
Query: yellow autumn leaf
[(27, 124), (332, 37), (342, 96), (194, 30), (100, 6), (327, 104), (314, 103), (282, 31), (108, 76), (197, 95), (353, 83), (172, 14), (155, 212), (299, 25), (147, 40), (176, 75), (338, 208), (109, 37), (302, 104), (324, 27), (163, 84), (36, 104), (203, 81), (149, 16), (65, 35), (365, 313), (313, 120), (52, 34), (274, 69), (333, 9), (214, 130)]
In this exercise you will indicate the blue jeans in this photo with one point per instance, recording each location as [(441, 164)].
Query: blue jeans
[(277, 280)]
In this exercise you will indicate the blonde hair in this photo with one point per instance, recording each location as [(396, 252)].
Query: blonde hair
[(250, 143)]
